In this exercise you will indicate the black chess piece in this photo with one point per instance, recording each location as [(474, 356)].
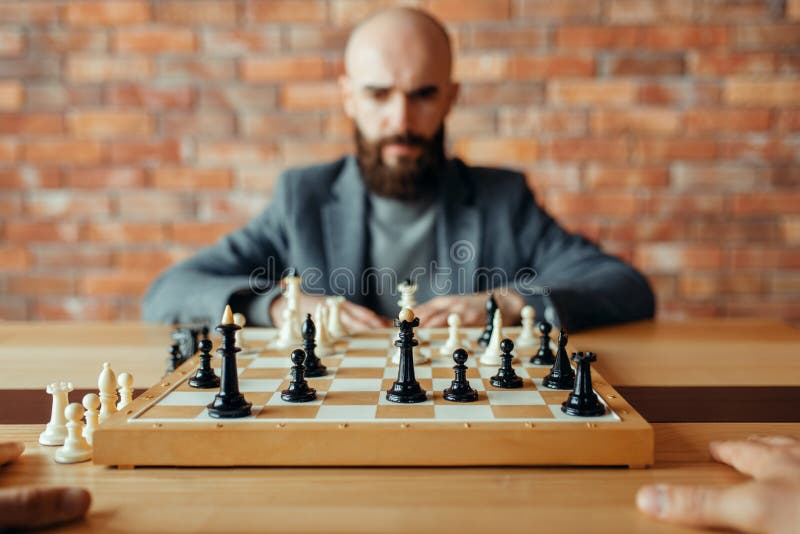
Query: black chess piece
[(229, 402), (460, 389), (506, 377), (486, 335), (561, 375), (298, 390), (205, 378), (312, 364), (406, 389), (544, 356), (175, 359), (583, 401)]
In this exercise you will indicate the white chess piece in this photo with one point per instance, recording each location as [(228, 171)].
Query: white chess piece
[(527, 335), (56, 430), (454, 338), (336, 329), (288, 335), (76, 448), (107, 384), (125, 383), (324, 347), (292, 291), (407, 291), (91, 405), (240, 320), (491, 356)]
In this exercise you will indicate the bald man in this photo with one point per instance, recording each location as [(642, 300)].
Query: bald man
[(398, 209)]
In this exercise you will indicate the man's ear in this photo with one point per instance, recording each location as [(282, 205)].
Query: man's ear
[(346, 93)]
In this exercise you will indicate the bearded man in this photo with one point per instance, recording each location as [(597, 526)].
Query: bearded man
[(401, 209)]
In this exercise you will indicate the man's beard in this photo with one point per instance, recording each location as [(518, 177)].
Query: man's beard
[(410, 178)]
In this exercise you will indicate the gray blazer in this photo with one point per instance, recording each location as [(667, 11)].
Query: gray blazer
[(489, 232)]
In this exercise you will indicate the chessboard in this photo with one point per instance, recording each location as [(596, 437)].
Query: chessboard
[(352, 424)]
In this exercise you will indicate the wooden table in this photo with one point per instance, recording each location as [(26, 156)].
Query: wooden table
[(745, 354)]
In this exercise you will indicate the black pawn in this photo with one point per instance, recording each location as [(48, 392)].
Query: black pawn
[(460, 389), (406, 389), (298, 390), (205, 377), (313, 364), (506, 377), (229, 402), (486, 335), (176, 359), (583, 401), (561, 376), (544, 356)]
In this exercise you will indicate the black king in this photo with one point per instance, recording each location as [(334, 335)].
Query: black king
[(406, 389)]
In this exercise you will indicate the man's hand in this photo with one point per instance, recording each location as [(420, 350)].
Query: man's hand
[(769, 503), (471, 309), (354, 317), (38, 507)]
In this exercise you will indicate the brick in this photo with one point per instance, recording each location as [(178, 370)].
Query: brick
[(728, 63), (643, 64), (506, 37), (14, 258), (11, 204), (205, 124), (786, 176), (200, 233), (727, 120), (190, 70), (220, 41), (591, 92), (693, 204), (24, 177), (564, 203), (25, 12), (9, 150), (287, 11), (793, 9), (752, 231), (12, 42), (30, 68), (667, 150), (776, 92), (788, 120), (98, 69), (126, 232), (12, 95), (42, 231), (550, 66), (146, 152), (611, 176), (31, 124), (566, 10), (157, 40), (745, 11), (340, 126), (104, 178), (492, 150), (599, 37), (309, 96), (718, 177), (191, 179), (676, 257), (67, 308), (148, 260), (194, 12), (238, 206), (114, 13), (788, 63), (109, 124), (289, 69), (784, 283), (682, 37), (40, 285), (761, 257), (275, 126), (58, 41), (305, 39), (60, 152), (505, 94), (762, 149), (476, 10), (235, 152), (351, 12), (240, 97), (459, 122), (638, 121), (758, 203), (55, 97), (116, 283), (548, 176), (588, 149), (767, 36), (296, 153), (679, 93), (258, 178), (150, 97), (790, 230), (643, 230), (65, 204), (639, 11), (704, 286), (155, 206), (484, 66), (58, 256)]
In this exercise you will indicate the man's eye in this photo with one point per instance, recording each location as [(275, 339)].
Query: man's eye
[(428, 93), (379, 94)]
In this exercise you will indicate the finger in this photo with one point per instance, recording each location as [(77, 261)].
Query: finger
[(756, 459), (10, 451), (37, 507), (742, 507), (778, 441), (356, 323), (437, 319), (362, 314)]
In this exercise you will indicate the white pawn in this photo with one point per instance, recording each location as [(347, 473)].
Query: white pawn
[(76, 448), (107, 384), (491, 356), (527, 335), (336, 329), (56, 430), (91, 403), (240, 320), (324, 347), (125, 383), (454, 339), (288, 336)]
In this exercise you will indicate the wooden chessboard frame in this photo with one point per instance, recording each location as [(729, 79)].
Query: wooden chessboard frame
[(628, 442)]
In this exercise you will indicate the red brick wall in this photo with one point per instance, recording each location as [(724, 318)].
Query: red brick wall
[(132, 132)]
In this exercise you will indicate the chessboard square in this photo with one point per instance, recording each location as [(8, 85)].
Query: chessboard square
[(354, 398), (285, 412), (331, 362), (553, 396), (264, 372), (440, 384), (356, 384), (273, 362), (276, 400), (440, 362), (273, 352), (515, 397), (347, 413), (198, 397), (437, 333), (258, 398), (539, 371), (447, 372), (253, 385), (369, 343), (366, 353), (378, 333), (172, 412), (405, 411), (522, 412), (464, 412), (438, 398), (363, 362), (359, 372)]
